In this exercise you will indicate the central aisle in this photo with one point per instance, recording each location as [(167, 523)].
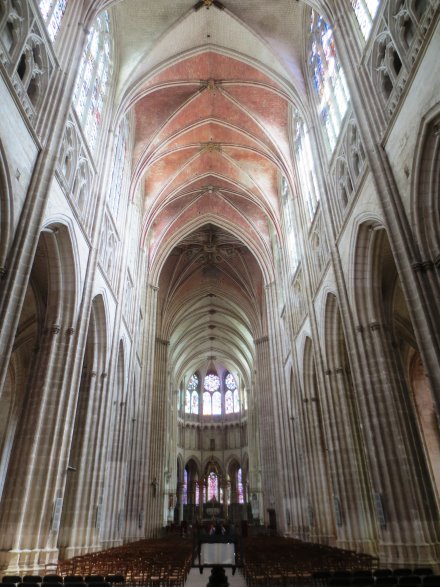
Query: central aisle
[(195, 579)]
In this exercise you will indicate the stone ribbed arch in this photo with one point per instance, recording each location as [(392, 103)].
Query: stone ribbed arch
[(426, 190), (386, 406), (317, 485), (349, 477), (48, 404), (6, 210), (82, 513), (174, 234)]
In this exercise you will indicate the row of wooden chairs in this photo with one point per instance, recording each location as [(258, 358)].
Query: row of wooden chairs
[(154, 563), (277, 561)]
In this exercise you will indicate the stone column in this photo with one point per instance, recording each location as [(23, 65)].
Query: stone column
[(372, 123), (157, 431)]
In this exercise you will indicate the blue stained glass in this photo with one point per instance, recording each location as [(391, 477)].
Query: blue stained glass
[(193, 382), (230, 381), (327, 77)]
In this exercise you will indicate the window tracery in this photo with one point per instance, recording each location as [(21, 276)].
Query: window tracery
[(14, 22), (91, 88), (217, 398), (365, 11), (305, 165), (328, 78), (52, 13), (192, 395)]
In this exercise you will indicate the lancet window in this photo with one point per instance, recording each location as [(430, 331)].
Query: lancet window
[(52, 12), (218, 396), (240, 486), (92, 83), (212, 402), (328, 78), (232, 401), (305, 165), (192, 395), (365, 11)]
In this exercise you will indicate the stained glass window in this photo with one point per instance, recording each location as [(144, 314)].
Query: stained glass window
[(230, 381), (240, 486), (229, 402), (93, 79), (216, 403), (305, 165), (328, 78), (212, 382), (236, 401), (185, 487), (292, 246), (195, 402), (365, 11), (192, 395), (212, 486), (52, 12), (207, 404)]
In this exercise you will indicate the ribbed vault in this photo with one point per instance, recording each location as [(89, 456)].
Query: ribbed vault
[(210, 88)]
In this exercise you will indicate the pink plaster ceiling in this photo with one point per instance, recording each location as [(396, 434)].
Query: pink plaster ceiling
[(211, 144)]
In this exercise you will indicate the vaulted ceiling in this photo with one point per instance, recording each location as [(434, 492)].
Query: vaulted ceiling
[(211, 87)]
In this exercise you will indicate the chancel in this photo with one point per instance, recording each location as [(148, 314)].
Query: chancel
[(219, 293)]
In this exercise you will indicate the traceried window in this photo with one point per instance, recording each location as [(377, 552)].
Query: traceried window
[(52, 12), (365, 11), (305, 165), (185, 487), (232, 403), (240, 486), (119, 164), (192, 395), (328, 78), (92, 83), (212, 405), (292, 246)]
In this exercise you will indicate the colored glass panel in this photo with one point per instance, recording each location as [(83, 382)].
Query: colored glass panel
[(52, 13), (212, 486), (92, 83), (216, 403), (207, 404), (230, 381), (194, 402), (212, 382), (229, 402), (236, 401), (328, 78), (240, 486)]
